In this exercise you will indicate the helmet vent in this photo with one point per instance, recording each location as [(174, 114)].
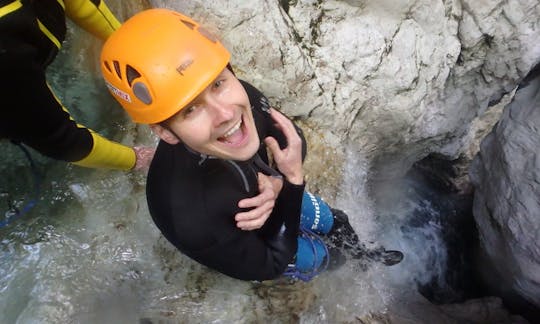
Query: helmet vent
[(141, 92), (107, 66), (207, 34), (188, 24), (117, 69), (131, 74)]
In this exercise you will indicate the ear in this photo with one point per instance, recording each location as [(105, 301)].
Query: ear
[(165, 134)]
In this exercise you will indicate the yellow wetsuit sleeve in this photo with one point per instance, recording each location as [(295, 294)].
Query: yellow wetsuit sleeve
[(94, 18), (104, 153), (108, 154)]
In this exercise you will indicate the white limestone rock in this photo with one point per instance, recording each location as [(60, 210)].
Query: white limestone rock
[(506, 174)]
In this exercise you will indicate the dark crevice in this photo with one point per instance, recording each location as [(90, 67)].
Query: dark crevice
[(285, 5), (441, 212), (437, 181)]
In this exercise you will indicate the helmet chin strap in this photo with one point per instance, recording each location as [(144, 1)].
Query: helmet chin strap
[(229, 67)]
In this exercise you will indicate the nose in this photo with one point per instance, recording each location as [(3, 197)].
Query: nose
[(220, 110)]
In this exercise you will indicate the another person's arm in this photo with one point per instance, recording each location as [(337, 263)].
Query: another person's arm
[(96, 18), (36, 118), (93, 16)]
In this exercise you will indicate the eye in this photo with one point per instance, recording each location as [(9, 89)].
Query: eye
[(188, 110), (218, 83)]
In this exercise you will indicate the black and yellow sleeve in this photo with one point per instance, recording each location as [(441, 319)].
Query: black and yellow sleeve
[(108, 154), (103, 153), (92, 15), (31, 114)]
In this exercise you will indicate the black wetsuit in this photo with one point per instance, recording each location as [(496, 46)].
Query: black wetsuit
[(193, 200), (31, 34)]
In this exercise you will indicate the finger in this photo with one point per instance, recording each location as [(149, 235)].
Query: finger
[(277, 185), (256, 201), (284, 123), (273, 146), (254, 214), (259, 200), (250, 226), (254, 223), (265, 183), (266, 193), (259, 204), (250, 202), (293, 141)]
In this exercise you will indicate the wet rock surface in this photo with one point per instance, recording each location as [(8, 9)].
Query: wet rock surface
[(506, 176)]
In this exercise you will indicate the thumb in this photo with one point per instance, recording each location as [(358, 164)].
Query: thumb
[(263, 180)]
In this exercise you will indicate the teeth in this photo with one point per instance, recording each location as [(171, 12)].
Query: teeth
[(232, 130)]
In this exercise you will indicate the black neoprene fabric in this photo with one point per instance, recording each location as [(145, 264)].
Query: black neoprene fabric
[(193, 201)]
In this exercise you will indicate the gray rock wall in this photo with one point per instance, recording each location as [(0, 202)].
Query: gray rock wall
[(506, 174)]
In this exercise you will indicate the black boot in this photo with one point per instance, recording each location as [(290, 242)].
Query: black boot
[(386, 257), (339, 239), (391, 257), (342, 236)]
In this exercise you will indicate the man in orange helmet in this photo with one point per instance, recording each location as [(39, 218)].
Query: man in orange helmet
[(31, 34), (210, 188)]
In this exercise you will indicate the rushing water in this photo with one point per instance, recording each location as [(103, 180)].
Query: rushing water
[(89, 252), (428, 216)]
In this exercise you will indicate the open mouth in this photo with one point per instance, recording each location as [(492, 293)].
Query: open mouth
[(236, 135)]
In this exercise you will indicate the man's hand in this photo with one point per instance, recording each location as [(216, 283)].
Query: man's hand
[(289, 159), (262, 204), (144, 156)]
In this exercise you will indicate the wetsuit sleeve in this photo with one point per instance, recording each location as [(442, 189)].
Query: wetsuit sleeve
[(103, 153), (108, 154), (93, 16), (34, 116)]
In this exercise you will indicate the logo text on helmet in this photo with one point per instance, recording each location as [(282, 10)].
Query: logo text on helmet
[(182, 67), (119, 93)]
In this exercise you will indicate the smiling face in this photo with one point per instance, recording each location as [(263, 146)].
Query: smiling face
[(219, 122)]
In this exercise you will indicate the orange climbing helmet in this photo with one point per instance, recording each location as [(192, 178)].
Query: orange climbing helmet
[(158, 61)]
